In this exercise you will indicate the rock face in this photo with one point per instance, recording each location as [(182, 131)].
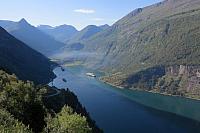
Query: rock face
[(187, 70), (191, 73), (183, 80)]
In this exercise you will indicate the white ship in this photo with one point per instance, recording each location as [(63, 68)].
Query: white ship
[(91, 74)]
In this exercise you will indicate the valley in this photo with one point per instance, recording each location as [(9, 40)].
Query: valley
[(137, 50), (124, 110), (137, 73)]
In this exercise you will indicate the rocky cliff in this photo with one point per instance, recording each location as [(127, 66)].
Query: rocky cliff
[(181, 80)]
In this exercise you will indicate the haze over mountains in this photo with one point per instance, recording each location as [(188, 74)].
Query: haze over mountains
[(74, 43), (140, 40), (18, 53), (25, 104), (145, 36), (163, 34), (87, 32), (69, 34), (154, 49), (33, 37), (61, 33), (138, 48), (45, 39)]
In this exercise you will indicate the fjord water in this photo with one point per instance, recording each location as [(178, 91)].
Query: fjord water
[(123, 111)]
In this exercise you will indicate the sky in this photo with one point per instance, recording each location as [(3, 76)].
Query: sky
[(78, 13)]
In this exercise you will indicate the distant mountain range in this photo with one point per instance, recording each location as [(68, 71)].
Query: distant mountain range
[(74, 43), (61, 33), (26, 63), (20, 41), (87, 32), (69, 34), (33, 37)]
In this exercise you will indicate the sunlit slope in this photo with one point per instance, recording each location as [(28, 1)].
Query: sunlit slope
[(165, 33)]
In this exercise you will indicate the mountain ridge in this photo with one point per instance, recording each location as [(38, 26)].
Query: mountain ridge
[(33, 37), (61, 33), (87, 32)]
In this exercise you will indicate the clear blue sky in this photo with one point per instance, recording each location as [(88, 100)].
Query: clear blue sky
[(78, 13)]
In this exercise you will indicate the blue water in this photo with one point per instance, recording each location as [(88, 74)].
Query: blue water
[(127, 111)]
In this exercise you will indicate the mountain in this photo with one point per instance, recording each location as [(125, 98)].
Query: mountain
[(75, 42), (26, 63), (31, 36), (60, 33), (145, 36), (87, 32), (164, 34), (104, 27)]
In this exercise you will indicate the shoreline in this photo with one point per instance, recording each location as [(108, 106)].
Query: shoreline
[(166, 106), (120, 87), (163, 94)]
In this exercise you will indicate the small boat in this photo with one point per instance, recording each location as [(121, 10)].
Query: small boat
[(64, 80), (91, 74)]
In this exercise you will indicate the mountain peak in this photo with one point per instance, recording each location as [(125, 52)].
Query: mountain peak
[(105, 26), (66, 27), (23, 21), (90, 27)]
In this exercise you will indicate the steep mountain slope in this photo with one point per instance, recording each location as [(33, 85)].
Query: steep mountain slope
[(33, 37), (164, 33), (60, 33), (138, 50), (26, 63)]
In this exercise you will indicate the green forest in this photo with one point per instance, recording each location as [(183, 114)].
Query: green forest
[(26, 108)]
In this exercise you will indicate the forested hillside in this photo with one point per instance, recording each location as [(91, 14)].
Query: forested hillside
[(164, 33), (28, 108)]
